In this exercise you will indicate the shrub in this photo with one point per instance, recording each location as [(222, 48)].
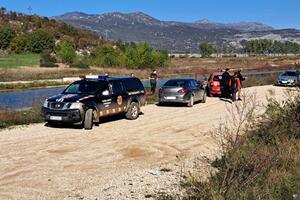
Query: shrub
[(41, 40), (47, 57), (48, 64), (260, 157), (80, 65), (66, 52), (6, 35)]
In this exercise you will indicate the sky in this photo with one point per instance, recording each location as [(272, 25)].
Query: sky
[(277, 13)]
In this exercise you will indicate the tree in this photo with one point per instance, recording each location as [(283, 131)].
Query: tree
[(41, 40), (66, 52), (6, 35), (206, 49), (20, 43), (107, 56)]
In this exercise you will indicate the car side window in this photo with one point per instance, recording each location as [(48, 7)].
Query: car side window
[(193, 84), (117, 87)]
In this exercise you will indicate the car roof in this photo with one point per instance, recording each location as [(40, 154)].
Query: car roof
[(181, 79), (119, 78)]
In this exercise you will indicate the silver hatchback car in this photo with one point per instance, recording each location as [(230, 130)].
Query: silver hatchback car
[(182, 90)]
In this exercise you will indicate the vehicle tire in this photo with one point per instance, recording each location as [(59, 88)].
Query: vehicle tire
[(191, 102), (88, 119), (133, 111), (204, 98)]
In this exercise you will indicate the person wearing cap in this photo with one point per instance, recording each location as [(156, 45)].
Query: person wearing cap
[(241, 79), (153, 80)]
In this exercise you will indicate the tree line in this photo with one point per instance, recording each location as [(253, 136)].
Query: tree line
[(254, 47)]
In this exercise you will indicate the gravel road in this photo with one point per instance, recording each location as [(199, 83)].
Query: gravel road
[(111, 161)]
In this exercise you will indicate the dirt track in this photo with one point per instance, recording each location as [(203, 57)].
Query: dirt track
[(112, 160)]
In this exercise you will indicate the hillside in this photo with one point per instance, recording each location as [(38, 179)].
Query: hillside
[(174, 36), (23, 25)]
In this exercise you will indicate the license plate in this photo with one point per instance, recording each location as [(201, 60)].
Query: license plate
[(56, 118), (173, 98), (284, 81)]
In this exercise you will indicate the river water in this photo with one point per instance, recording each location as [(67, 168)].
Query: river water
[(25, 99)]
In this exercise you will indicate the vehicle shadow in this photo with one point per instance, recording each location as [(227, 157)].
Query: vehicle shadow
[(174, 104), (104, 120)]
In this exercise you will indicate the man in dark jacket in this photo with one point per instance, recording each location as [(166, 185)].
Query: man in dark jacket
[(225, 89)]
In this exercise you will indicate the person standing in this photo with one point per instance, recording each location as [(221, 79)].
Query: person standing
[(153, 81), (235, 85), (225, 89), (241, 79)]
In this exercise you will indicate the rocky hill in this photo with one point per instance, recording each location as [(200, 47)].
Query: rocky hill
[(174, 36)]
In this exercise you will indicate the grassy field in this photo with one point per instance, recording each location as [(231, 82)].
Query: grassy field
[(19, 60)]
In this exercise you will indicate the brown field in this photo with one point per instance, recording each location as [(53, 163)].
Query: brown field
[(176, 67)]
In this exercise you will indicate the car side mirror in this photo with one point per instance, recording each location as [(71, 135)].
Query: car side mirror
[(105, 93)]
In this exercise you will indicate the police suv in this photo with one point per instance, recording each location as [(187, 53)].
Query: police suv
[(87, 100)]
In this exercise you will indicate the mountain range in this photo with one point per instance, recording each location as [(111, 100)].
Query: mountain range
[(172, 35)]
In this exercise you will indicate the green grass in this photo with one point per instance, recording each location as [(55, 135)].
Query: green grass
[(19, 60)]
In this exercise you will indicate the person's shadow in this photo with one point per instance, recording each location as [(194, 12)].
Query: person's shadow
[(226, 100)]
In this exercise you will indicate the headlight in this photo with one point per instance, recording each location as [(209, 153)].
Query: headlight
[(45, 103), (75, 105)]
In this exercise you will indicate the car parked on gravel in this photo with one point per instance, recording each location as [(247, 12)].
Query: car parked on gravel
[(289, 78), (182, 90), (88, 100)]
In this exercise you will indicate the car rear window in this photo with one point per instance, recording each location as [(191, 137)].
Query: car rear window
[(177, 83), (217, 78)]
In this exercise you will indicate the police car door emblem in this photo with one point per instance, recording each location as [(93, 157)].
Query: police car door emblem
[(119, 100), (60, 100)]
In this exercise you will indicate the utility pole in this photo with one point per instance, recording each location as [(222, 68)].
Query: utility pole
[(29, 10)]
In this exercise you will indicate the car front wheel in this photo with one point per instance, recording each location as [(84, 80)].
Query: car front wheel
[(88, 119)]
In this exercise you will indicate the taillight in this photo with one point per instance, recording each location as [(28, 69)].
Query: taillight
[(183, 91), (216, 83), (161, 90)]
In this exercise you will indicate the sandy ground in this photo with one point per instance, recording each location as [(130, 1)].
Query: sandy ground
[(111, 161)]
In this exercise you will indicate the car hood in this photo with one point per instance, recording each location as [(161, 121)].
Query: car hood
[(70, 97)]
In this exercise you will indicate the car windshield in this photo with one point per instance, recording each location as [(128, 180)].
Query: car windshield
[(176, 83), (84, 87), (289, 74)]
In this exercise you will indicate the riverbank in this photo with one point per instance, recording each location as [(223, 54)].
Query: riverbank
[(23, 117)]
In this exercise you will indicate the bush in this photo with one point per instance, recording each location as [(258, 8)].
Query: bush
[(41, 40), (48, 64), (47, 57), (260, 157), (80, 65), (66, 52), (6, 35)]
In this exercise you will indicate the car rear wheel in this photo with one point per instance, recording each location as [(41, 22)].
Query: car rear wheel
[(133, 111), (191, 102), (88, 119)]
